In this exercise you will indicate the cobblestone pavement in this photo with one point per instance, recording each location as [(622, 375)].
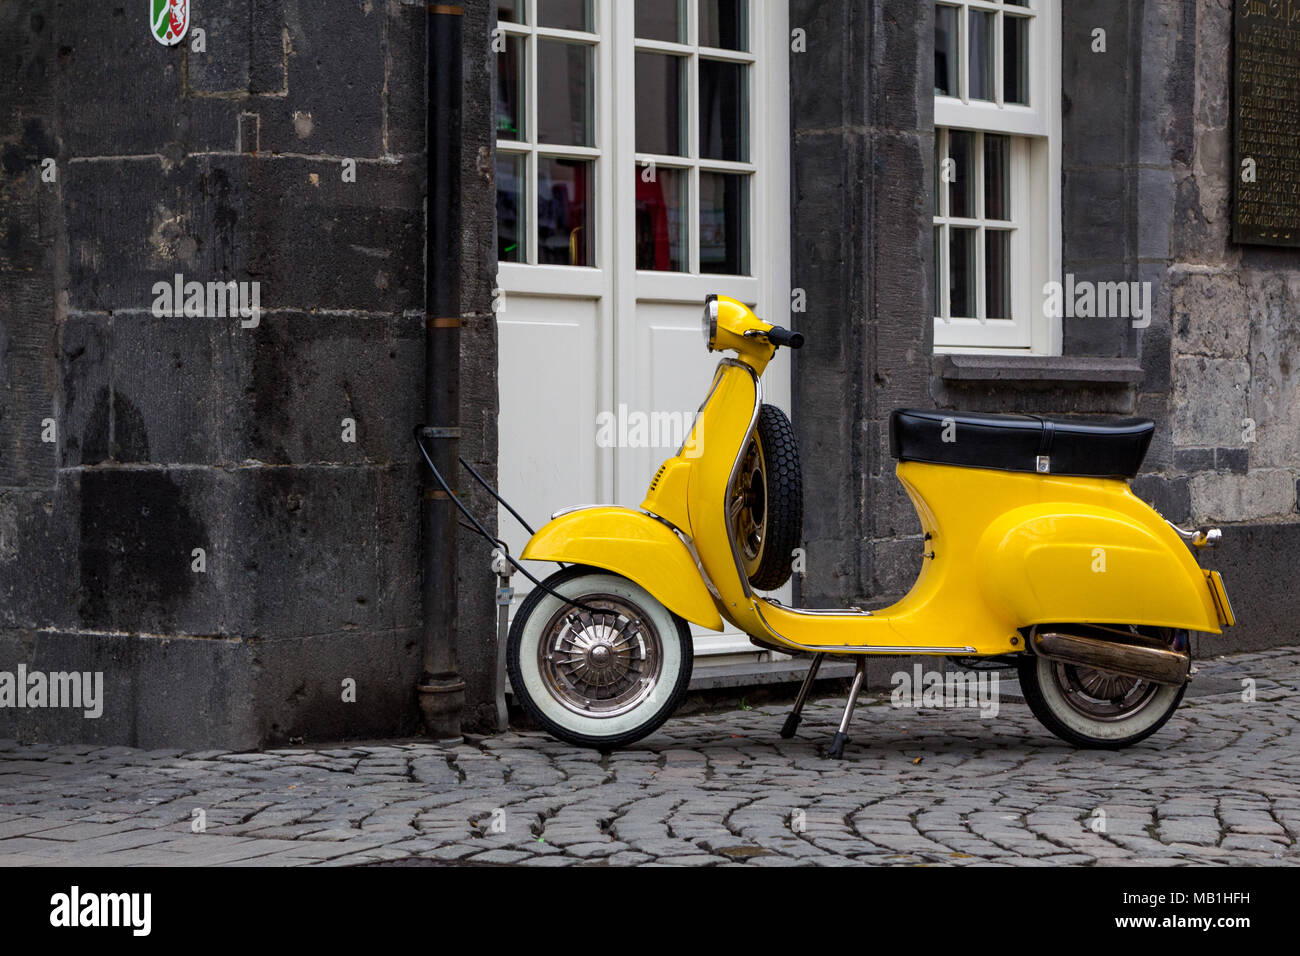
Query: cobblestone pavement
[(1219, 784)]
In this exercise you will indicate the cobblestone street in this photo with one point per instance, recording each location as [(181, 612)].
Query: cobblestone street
[(1219, 784)]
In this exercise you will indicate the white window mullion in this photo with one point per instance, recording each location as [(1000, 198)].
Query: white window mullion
[(693, 128), (533, 256), (999, 52), (981, 214)]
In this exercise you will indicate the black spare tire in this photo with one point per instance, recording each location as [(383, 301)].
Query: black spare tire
[(765, 504)]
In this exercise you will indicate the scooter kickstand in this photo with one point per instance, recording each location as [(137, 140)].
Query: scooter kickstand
[(792, 722), (836, 750)]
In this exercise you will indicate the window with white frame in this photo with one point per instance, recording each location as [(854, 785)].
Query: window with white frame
[(997, 173), (691, 93), (693, 76), (547, 148)]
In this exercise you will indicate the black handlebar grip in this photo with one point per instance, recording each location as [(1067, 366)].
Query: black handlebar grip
[(779, 336)]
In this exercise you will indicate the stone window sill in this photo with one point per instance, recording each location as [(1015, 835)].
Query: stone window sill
[(1082, 371)]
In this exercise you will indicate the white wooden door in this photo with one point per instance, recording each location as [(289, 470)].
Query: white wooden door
[(673, 183)]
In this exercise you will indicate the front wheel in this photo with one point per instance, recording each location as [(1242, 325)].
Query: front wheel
[(1096, 709), (603, 677)]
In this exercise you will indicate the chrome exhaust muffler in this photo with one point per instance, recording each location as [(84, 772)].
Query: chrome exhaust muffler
[(1114, 651)]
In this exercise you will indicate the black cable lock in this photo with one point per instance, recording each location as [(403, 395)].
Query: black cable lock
[(477, 526)]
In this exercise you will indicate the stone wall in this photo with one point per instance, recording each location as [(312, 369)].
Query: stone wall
[(1235, 363), (862, 108), (289, 153), (1236, 341)]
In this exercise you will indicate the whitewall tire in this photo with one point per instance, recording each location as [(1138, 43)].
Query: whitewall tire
[(1095, 709), (601, 678)]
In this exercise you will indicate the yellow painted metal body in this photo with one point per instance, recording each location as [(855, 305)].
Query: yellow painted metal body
[(640, 548), (1004, 550)]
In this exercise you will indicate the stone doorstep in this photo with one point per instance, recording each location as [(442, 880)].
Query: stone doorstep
[(708, 676)]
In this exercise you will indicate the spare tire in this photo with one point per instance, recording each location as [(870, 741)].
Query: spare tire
[(765, 504)]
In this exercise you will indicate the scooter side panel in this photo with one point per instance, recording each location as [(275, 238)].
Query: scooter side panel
[(635, 546), (1082, 561)]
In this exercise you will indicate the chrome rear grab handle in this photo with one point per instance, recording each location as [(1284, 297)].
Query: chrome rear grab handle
[(1203, 537)]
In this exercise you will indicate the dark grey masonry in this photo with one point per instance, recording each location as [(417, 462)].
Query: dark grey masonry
[(175, 434), (1145, 193)]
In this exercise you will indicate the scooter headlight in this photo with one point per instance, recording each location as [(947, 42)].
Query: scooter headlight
[(710, 322)]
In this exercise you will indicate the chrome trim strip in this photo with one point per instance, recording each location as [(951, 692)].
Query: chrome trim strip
[(735, 468), (883, 649), (828, 612), (568, 511)]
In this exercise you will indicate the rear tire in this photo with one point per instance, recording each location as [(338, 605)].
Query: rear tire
[(1094, 709), (602, 680)]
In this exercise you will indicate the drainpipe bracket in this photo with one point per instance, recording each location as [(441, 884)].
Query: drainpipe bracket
[(426, 431)]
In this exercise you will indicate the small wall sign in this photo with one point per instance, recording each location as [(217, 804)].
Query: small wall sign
[(169, 20)]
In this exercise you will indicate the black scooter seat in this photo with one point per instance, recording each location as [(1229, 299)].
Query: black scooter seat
[(1105, 448)]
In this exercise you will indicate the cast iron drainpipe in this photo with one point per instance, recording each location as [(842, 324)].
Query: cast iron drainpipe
[(441, 690)]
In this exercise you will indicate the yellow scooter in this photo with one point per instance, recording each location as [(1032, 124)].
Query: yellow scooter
[(1036, 555)]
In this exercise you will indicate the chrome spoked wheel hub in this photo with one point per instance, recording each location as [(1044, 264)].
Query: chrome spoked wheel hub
[(600, 664), (747, 506), (1101, 695)]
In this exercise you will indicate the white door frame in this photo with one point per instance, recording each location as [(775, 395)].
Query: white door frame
[(614, 285)]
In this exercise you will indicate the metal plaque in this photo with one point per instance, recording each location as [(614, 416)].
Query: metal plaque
[(1266, 122)]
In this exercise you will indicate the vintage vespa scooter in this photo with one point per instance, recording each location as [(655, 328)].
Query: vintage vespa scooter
[(1036, 555)]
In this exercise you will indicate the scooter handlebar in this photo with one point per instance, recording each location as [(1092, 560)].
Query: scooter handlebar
[(779, 336)]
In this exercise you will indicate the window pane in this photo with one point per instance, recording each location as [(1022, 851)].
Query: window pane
[(660, 104), (961, 191), (724, 223), (997, 162), (564, 14), (1015, 60), (961, 273), (723, 24), (997, 273), (510, 11), (564, 97), (512, 245), (946, 42), (724, 117), (982, 50), (511, 71), (564, 212), (661, 20), (661, 210)]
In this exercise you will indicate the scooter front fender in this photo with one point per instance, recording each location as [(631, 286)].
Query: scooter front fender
[(633, 545), (1088, 563)]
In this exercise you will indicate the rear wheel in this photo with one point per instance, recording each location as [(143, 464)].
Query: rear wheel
[(1092, 708), (603, 677)]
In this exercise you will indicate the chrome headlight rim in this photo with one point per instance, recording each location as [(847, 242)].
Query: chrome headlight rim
[(709, 323)]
